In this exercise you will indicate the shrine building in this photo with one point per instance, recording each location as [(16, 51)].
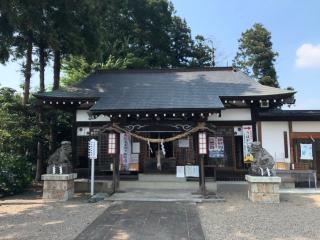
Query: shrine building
[(162, 121)]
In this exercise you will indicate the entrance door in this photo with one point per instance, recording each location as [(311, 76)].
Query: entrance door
[(161, 158), (318, 160), (318, 163)]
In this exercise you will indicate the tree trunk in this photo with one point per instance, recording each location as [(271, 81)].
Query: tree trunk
[(42, 60), (56, 69), (39, 151), (27, 72), (56, 85), (52, 134)]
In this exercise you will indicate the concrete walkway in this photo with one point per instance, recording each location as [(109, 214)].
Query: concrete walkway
[(162, 195), (145, 221)]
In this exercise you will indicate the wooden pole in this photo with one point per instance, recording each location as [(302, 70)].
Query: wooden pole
[(203, 181), (114, 177)]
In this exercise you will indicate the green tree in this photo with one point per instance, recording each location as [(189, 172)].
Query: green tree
[(6, 30), (202, 53), (140, 34), (74, 29), (256, 57), (18, 18)]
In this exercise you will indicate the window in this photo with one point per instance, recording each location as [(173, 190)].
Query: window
[(202, 143), (112, 143)]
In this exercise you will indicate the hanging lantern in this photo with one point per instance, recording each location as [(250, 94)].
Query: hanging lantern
[(202, 143)]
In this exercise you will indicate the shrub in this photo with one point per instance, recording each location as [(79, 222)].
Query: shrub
[(15, 173)]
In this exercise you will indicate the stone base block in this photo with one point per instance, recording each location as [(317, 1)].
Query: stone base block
[(263, 189), (287, 185), (58, 186), (264, 197), (83, 186)]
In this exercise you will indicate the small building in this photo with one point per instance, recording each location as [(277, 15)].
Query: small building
[(150, 121)]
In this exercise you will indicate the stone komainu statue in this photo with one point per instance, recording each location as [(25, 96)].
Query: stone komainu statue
[(60, 161), (262, 161)]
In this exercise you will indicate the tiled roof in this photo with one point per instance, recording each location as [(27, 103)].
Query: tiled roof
[(289, 115), (165, 89)]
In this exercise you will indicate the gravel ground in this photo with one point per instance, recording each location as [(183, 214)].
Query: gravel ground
[(29, 217), (297, 217)]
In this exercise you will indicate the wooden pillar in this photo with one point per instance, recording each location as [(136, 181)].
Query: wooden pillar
[(74, 140), (254, 121), (259, 132), (116, 165), (234, 158), (202, 177), (291, 142)]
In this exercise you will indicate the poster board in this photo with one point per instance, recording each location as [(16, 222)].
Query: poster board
[(184, 143), (306, 152), (192, 171), (247, 141), (216, 147), (135, 147), (180, 172), (125, 151)]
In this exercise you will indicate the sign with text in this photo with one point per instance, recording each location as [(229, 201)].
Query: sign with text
[(125, 151), (192, 170), (306, 152), (184, 143), (93, 149), (135, 147), (247, 141), (180, 172), (216, 147)]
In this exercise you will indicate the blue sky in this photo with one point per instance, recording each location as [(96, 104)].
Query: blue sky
[(294, 25)]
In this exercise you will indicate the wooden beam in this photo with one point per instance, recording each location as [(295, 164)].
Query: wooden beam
[(233, 146), (304, 135), (285, 141), (254, 121), (291, 142), (74, 140), (259, 132)]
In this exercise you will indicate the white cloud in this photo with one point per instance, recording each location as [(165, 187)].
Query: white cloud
[(308, 56)]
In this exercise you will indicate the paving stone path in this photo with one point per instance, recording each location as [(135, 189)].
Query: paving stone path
[(146, 221)]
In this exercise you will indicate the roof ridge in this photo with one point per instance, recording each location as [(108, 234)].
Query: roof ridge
[(162, 70)]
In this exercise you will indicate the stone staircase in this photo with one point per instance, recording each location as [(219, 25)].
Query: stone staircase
[(146, 181), (164, 181)]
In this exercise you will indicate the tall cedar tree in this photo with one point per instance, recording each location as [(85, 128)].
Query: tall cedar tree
[(140, 34), (17, 24), (256, 57)]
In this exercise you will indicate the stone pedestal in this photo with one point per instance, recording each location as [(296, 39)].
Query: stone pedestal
[(263, 189), (58, 186)]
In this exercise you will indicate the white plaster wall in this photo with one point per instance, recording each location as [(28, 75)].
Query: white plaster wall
[(82, 116), (304, 126), (234, 114), (272, 139)]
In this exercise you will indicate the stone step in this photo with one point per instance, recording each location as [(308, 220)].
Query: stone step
[(160, 178), (125, 185), (83, 185)]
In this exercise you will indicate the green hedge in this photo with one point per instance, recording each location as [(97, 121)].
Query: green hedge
[(15, 173)]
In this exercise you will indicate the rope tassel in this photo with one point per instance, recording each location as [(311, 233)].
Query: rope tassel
[(162, 148), (150, 149)]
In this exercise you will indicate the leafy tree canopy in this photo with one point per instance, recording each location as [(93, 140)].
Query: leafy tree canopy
[(140, 34), (256, 57)]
